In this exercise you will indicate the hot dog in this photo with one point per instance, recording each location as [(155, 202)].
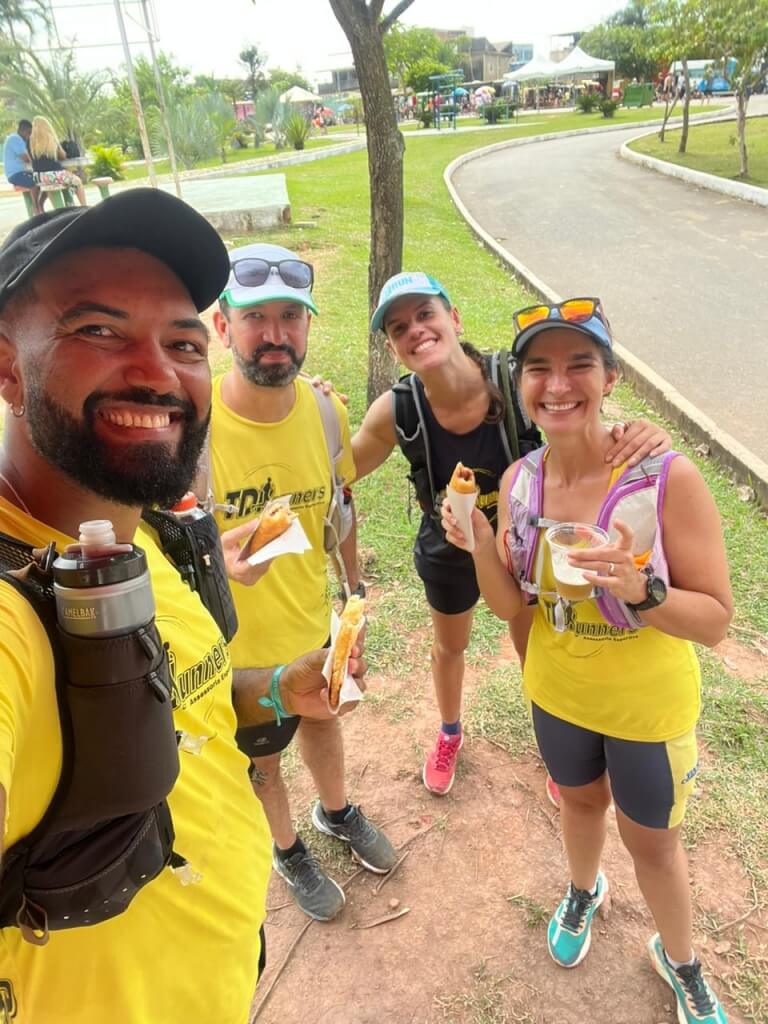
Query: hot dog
[(274, 521), (463, 480), (351, 620)]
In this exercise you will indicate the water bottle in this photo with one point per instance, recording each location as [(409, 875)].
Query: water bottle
[(187, 510), (102, 588)]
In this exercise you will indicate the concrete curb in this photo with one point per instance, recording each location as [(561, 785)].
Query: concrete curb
[(726, 186), (730, 453), (305, 157)]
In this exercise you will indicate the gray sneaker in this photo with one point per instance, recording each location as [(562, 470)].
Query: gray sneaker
[(314, 892), (369, 845)]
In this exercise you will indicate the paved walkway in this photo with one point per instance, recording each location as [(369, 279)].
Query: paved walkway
[(682, 271)]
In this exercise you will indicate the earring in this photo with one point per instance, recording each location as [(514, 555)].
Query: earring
[(18, 413)]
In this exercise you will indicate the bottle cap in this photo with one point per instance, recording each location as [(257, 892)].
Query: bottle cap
[(97, 531), (187, 503)]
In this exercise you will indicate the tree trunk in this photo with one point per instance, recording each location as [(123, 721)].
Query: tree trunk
[(668, 108), (686, 107), (741, 128), (385, 168)]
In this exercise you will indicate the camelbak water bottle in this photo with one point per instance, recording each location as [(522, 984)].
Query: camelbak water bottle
[(102, 588)]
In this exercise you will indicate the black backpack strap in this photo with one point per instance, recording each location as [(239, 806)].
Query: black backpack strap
[(501, 377), (37, 588), (412, 436), (195, 551)]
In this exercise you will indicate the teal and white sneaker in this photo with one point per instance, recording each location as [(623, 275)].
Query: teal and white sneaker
[(568, 935), (696, 1002)]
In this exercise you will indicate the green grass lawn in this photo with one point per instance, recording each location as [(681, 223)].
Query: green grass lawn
[(713, 149)]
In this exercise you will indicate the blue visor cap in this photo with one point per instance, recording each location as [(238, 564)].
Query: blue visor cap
[(405, 284), (594, 328)]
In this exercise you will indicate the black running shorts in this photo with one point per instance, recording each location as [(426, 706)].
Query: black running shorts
[(651, 782)]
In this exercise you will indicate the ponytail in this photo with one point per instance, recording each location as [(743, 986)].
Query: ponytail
[(495, 412)]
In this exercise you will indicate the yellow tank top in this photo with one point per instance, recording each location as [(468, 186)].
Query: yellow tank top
[(639, 684)]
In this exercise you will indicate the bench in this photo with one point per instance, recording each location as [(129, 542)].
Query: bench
[(102, 184), (26, 192), (60, 195)]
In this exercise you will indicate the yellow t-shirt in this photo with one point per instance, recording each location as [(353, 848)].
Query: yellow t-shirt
[(639, 684), (178, 953), (286, 613)]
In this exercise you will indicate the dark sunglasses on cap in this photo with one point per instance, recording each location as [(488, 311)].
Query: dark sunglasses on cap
[(573, 311), (253, 272)]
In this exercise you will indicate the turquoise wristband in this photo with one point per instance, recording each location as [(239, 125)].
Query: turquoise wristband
[(274, 700)]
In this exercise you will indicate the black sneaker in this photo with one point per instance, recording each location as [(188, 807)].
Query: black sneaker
[(369, 845), (314, 892)]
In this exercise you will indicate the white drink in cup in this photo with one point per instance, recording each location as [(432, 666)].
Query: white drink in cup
[(563, 539)]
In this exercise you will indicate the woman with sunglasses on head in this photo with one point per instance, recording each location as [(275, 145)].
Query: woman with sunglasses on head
[(611, 674), (461, 412)]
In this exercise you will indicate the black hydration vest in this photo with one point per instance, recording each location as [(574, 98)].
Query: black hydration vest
[(517, 434), (107, 831)]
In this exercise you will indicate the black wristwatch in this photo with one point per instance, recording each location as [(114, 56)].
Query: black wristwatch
[(359, 591), (656, 593)]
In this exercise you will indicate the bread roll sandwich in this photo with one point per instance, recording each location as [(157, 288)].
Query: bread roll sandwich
[(463, 480), (273, 522), (349, 627)]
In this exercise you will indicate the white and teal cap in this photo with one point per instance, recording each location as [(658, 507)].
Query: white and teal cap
[(405, 284), (268, 273)]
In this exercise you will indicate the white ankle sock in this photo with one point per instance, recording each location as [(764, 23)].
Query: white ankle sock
[(676, 964)]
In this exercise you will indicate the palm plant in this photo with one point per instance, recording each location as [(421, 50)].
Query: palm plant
[(217, 111), (26, 14), (69, 98), (297, 130), (271, 111)]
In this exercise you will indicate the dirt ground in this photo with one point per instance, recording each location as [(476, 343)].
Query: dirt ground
[(484, 869)]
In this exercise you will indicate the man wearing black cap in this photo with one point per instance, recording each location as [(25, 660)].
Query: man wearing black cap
[(103, 365)]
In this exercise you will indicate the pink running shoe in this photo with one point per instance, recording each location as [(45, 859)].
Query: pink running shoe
[(553, 793), (440, 767)]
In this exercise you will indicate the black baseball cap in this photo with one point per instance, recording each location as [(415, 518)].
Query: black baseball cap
[(140, 218)]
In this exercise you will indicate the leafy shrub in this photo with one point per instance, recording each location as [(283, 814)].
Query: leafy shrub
[(426, 118), (297, 130), (608, 107), (108, 162), (587, 102), (494, 112)]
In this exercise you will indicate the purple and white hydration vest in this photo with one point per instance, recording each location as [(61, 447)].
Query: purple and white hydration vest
[(637, 498)]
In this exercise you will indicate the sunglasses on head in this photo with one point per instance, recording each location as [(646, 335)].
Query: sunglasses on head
[(252, 272), (572, 311)]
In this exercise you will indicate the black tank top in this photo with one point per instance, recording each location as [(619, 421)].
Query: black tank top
[(45, 163), (481, 450)]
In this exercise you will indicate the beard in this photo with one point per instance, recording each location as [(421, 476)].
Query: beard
[(144, 474), (272, 375)]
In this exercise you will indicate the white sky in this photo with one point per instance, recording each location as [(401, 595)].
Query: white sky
[(207, 36)]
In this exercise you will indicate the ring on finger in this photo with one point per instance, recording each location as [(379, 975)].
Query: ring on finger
[(611, 567)]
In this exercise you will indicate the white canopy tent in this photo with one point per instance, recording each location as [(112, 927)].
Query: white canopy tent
[(538, 69), (298, 95), (580, 63)]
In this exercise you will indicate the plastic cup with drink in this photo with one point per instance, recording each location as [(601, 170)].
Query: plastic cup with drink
[(563, 539)]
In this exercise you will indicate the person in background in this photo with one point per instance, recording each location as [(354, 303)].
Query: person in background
[(47, 153), (17, 163)]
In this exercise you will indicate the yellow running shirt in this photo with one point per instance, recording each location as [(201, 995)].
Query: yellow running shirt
[(287, 612), (179, 953), (638, 684)]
